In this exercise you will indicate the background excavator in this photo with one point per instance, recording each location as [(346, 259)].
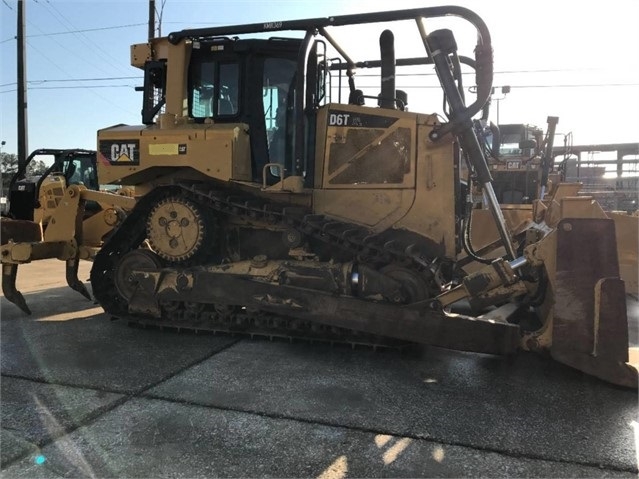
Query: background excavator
[(270, 205)]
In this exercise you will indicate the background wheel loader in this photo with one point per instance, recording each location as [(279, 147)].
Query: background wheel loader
[(274, 203), (61, 214)]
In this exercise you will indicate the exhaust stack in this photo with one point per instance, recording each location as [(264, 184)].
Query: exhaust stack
[(387, 49)]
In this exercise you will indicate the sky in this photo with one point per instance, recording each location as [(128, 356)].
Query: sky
[(575, 60)]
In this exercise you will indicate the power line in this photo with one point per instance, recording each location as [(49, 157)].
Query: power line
[(64, 80), (71, 87), (592, 85), (56, 80), (61, 87), (37, 82), (76, 31), (86, 30), (55, 65), (69, 32), (79, 86), (497, 72), (66, 23), (82, 58), (87, 79), (196, 23)]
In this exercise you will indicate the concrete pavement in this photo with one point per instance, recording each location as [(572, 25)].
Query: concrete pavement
[(83, 396)]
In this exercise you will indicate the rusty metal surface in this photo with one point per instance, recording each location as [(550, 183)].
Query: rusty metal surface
[(9, 272), (590, 322), (627, 229), (581, 262)]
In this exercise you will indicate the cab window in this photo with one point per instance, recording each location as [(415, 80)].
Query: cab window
[(278, 107), (214, 89), (81, 171)]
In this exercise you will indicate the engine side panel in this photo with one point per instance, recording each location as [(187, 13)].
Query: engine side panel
[(136, 155), (432, 214), (380, 170)]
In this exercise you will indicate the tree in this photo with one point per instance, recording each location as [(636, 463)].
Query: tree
[(8, 163), (36, 168), (9, 166)]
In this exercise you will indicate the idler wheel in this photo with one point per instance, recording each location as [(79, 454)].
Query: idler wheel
[(134, 260), (414, 285)]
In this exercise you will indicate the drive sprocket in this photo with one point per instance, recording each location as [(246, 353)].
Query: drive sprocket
[(177, 230)]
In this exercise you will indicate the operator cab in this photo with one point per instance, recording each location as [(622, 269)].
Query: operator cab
[(518, 140), (232, 81), (69, 167), (81, 170), (515, 171), (251, 82)]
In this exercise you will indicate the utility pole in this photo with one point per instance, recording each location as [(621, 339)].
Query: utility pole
[(2, 143), (22, 87), (151, 20)]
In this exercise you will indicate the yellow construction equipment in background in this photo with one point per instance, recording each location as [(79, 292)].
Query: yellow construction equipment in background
[(61, 214)]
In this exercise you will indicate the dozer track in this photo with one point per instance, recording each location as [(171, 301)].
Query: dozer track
[(290, 312)]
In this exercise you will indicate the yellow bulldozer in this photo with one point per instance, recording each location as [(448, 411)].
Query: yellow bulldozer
[(279, 199), (522, 162), (59, 214)]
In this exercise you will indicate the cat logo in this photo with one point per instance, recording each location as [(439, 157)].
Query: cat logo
[(123, 152)]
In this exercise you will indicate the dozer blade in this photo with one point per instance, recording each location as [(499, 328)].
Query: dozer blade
[(9, 272), (590, 327), (72, 278)]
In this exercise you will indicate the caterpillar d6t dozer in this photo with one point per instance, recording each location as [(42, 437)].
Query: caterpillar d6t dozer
[(271, 207)]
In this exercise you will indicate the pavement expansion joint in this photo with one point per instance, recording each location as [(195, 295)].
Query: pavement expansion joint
[(417, 437), (93, 416), (184, 368), (61, 384)]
